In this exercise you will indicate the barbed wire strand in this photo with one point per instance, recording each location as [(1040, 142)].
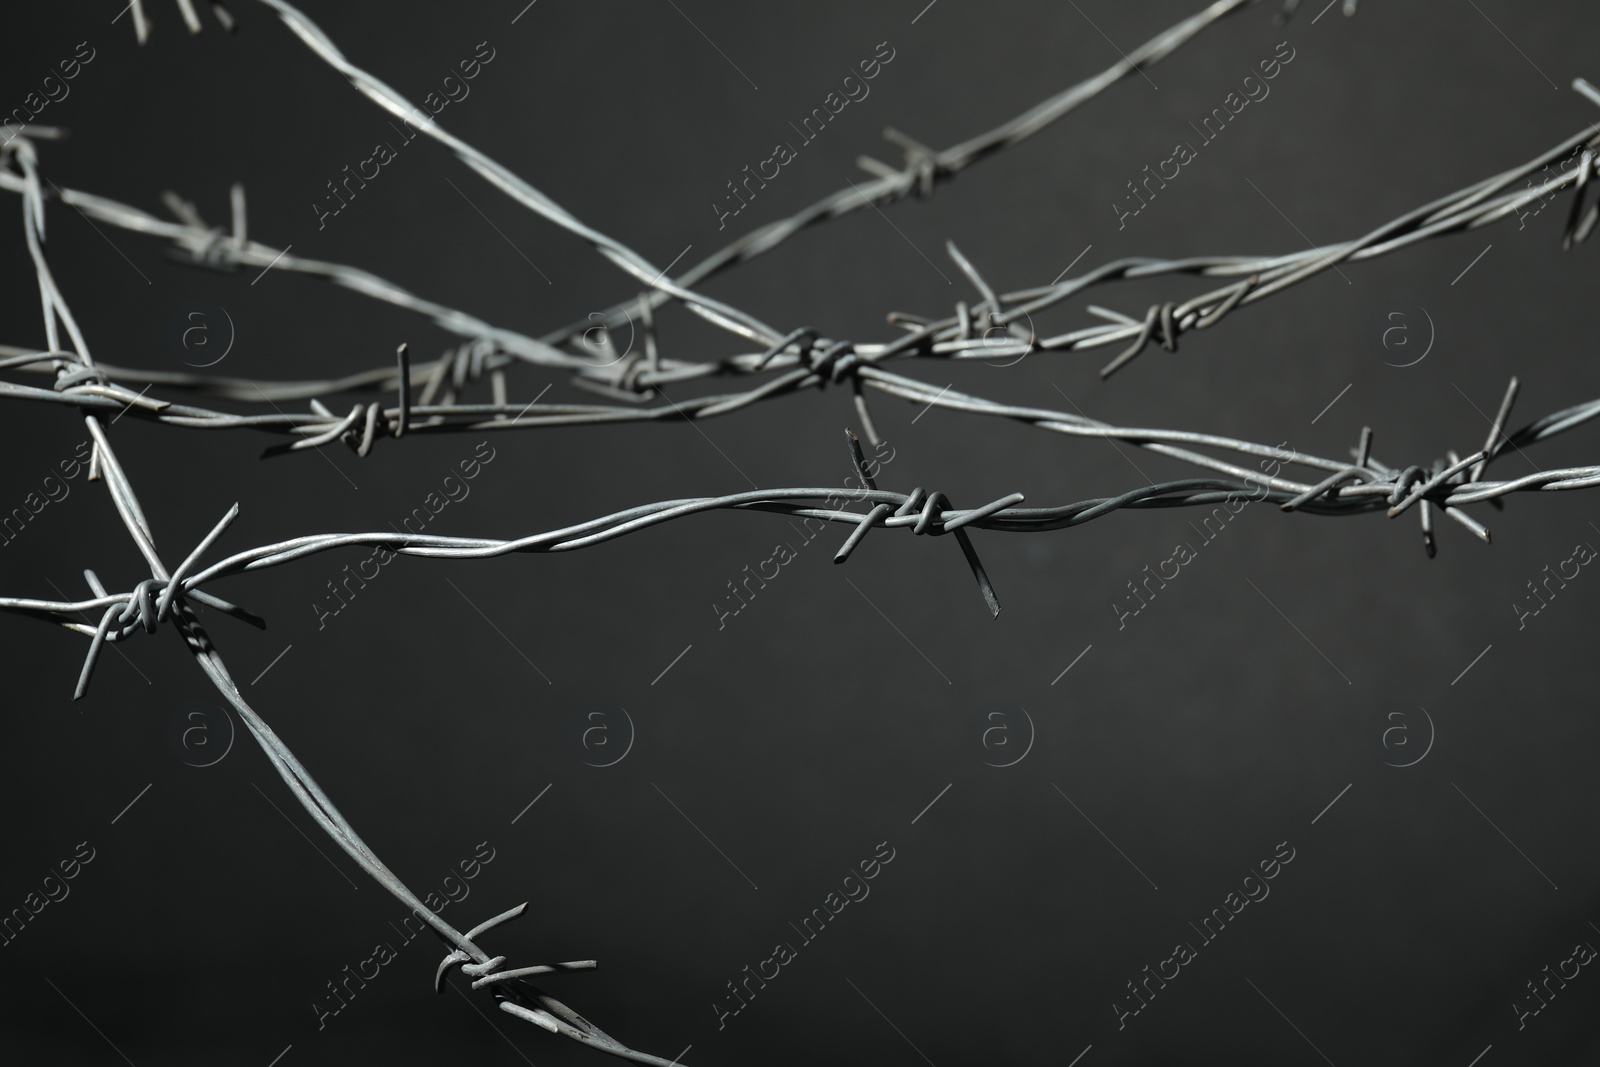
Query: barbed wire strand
[(923, 170), (163, 597), (1446, 485), (814, 360), (204, 246)]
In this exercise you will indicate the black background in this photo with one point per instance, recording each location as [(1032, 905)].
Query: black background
[(809, 730)]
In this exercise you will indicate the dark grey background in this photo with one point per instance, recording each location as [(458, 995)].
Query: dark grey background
[(810, 730)]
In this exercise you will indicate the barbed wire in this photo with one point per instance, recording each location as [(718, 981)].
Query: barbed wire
[(1448, 484), (492, 349), (1163, 441), (801, 358), (163, 598), (924, 167)]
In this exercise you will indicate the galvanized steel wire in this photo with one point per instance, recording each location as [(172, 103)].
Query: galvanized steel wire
[(996, 325)]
